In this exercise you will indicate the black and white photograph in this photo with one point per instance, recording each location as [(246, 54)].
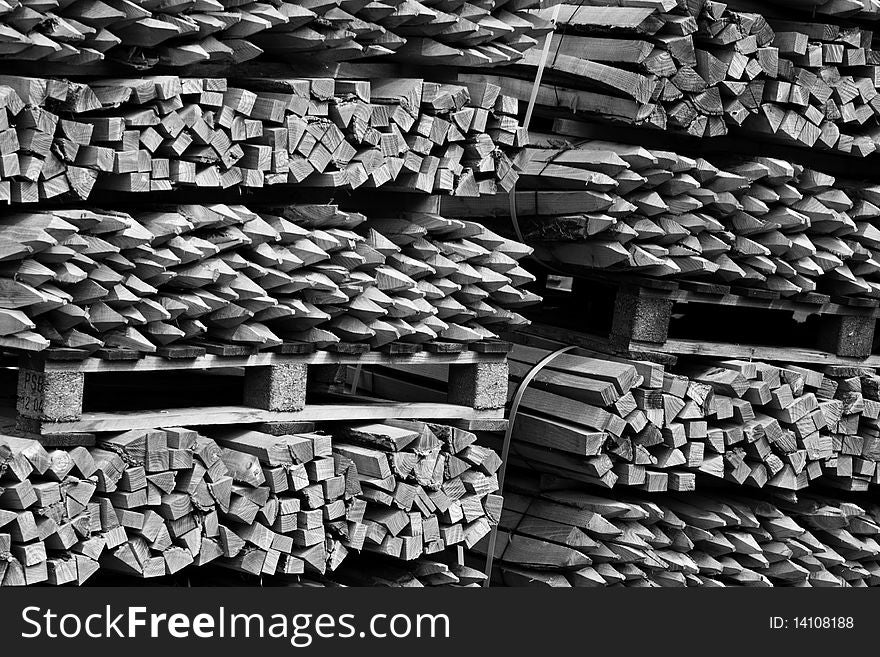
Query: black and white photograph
[(508, 295)]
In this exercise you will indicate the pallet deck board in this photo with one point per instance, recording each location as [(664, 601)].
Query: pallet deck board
[(814, 357), (216, 415), (209, 361), (850, 307)]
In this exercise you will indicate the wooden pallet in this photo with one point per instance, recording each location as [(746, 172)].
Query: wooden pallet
[(673, 349), (51, 392), (644, 312)]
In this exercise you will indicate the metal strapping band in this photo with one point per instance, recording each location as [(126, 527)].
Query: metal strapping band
[(505, 445)]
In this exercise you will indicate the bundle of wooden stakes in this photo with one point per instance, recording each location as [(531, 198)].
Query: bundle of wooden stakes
[(90, 279), (146, 34), (556, 535), (62, 139), (701, 68), (608, 421), (755, 222), (151, 503)]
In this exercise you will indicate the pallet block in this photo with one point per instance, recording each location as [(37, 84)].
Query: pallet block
[(53, 396), (640, 317), (276, 387), (481, 386), (848, 335)]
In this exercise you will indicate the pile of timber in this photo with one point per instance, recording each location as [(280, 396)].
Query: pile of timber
[(759, 222), (608, 421), (426, 487), (151, 503), (61, 139), (141, 35), (700, 68), (556, 535), (91, 279)]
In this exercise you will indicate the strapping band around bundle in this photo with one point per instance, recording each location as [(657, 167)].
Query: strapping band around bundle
[(505, 445), (533, 98)]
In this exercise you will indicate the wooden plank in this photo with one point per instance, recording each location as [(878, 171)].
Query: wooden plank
[(756, 352), (216, 415), (153, 363)]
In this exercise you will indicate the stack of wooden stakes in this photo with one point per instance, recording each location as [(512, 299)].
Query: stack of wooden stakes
[(147, 34), (425, 489), (89, 279), (554, 535), (701, 68), (63, 139), (609, 421), (755, 222), (151, 503)]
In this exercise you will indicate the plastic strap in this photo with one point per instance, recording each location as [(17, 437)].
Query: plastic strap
[(505, 445), (533, 98)]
